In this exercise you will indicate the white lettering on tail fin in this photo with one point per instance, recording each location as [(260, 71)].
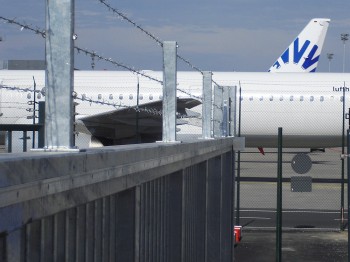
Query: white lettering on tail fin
[(304, 52)]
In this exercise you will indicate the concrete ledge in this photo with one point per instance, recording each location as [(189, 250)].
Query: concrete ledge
[(34, 185)]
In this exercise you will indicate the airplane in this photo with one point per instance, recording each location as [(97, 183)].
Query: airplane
[(307, 106), (104, 124)]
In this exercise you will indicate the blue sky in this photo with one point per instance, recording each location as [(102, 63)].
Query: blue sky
[(240, 35)]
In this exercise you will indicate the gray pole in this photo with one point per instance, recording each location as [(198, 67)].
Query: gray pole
[(279, 199), (348, 173), (59, 74), (206, 106), (224, 120), (169, 91), (218, 111), (344, 37)]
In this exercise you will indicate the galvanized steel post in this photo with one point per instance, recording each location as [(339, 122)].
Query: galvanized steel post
[(224, 120), (217, 111), (169, 90), (59, 74), (232, 112), (207, 104)]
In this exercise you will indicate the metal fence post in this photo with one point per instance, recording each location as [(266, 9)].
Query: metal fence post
[(279, 199), (233, 110), (59, 74), (207, 104), (348, 173), (169, 91), (218, 111), (224, 120), (41, 133)]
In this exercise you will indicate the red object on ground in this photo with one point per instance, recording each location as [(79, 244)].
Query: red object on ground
[(238, 234)]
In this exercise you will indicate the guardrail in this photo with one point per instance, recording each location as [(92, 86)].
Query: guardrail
[(148, 202)]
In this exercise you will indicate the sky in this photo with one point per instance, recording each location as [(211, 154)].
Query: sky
[(223, 35)]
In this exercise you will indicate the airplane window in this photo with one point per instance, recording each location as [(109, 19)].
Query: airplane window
[(29, 95), (151, 97), (322, 98), (312, 98), (251, 98), (99, 96), (141, 97), (39, 96), (281, 98), (271, 98), (261, 98), (291, 98), (120, 97), (160, 97), (111, 96), (131, 96), (301, 98)]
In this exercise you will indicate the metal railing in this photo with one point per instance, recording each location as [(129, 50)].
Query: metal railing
[(149, 202)]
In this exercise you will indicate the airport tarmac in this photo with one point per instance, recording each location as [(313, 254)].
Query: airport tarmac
[(318, 208), (310, 220), (297, 246)]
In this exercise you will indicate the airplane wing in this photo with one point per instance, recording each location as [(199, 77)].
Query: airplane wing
[(128, 125)]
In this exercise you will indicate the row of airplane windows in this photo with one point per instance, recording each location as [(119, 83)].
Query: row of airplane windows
[(292, 98), (111, 97), (250, 98)]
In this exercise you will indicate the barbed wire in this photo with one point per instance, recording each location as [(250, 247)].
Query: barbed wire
[(123, 16), (94, 54), (152, 36), (25, 26), (75, 96), (110, 60)]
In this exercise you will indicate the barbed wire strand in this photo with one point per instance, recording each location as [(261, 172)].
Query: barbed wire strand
[(93, 54), (149, 110)]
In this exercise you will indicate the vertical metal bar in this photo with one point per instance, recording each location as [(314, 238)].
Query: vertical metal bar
[(279, 199), (59, 236), (105, 228), (213, 211), (224, 120), (90, 233), (59, 74), (81, 233), (342, 220), (24, 141), (217, 111), (206, 105), (233, 186), (348, 173), (41, 133), (47, 237), (233, 111), (137, 207), (71, 235), (169, 91), (33, 241), (13, 246), (9, 141), (112, 227), (98, 230), (238, 180)]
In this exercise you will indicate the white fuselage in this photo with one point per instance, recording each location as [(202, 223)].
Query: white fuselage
[(308, 107)]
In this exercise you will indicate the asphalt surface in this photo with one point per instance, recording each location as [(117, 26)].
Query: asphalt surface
[(311, 219), (297, 246)]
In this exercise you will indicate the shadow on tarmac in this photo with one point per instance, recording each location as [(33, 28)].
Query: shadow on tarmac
[(310, 246)]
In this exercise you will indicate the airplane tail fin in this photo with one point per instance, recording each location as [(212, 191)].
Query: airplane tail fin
[(304, 52)]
